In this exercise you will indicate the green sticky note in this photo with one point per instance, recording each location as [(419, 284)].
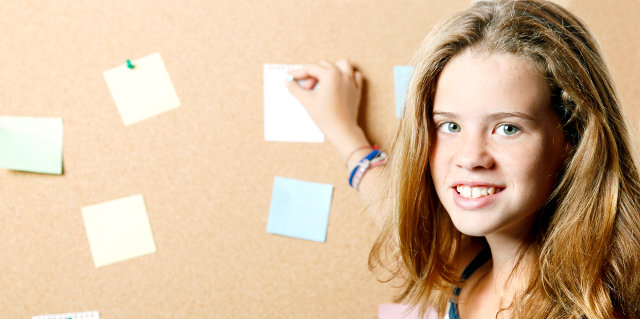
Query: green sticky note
[(31, 144)]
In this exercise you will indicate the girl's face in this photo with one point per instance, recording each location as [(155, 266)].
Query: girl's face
[(498, 144)]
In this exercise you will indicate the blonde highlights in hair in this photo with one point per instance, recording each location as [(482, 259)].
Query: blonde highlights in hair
[(587, 236)]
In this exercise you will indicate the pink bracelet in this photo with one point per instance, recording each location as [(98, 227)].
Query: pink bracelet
[(379, 161)]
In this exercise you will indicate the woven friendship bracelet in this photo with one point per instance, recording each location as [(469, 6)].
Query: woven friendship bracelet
[(373, 159), (362, 165), (363, 147), (379, 160)]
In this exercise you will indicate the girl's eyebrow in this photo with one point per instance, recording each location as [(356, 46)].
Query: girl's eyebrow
[(502, 115), (445, 114), (491, 116)]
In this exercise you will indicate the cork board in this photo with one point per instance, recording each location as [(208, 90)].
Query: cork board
[(204, 169)]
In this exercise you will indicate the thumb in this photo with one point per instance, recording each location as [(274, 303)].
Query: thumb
[(308, 83), (359, 79), (300, 93)]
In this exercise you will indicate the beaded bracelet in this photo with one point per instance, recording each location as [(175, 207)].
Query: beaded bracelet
[(373, 159)]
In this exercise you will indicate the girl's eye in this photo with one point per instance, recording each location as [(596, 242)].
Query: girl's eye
[(507, 129), (450, 127)]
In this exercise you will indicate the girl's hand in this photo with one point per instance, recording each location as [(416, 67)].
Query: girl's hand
[(331, 94)]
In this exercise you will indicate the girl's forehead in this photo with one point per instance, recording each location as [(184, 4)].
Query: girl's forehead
[(497, 82)]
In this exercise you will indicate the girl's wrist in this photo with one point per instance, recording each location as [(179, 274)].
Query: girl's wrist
[(358, 154), (349, 142)]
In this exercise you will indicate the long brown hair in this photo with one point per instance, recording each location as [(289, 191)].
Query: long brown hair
[(587, 236)]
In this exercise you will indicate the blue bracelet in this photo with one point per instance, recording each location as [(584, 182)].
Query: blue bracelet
[(362, 162)]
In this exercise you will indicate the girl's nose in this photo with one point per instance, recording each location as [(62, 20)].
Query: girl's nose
[(473, 153)]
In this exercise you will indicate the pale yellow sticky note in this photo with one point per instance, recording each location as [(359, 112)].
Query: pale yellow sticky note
[(142, 92), (118, 230)]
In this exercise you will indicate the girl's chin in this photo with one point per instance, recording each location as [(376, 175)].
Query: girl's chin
[(475, 226)]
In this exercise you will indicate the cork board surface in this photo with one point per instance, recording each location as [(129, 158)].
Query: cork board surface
[(204, 169)]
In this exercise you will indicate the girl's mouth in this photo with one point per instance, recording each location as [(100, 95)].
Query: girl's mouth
[(477, 191)]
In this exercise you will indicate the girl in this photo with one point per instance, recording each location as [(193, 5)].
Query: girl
[(512, 189)]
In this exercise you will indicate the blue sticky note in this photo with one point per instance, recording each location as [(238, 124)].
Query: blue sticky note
[(32, 144), (401, 77), (300, 209)]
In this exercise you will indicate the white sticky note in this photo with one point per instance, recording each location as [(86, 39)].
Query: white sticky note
[(71, 315), (141, 92), (285, 119), (118, 230)]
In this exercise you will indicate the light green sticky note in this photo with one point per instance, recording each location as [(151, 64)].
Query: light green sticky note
[(141, 92), (118, 230), (31, 144)]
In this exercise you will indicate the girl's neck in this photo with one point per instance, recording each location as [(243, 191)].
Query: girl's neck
[(509, 272), (492, 289)]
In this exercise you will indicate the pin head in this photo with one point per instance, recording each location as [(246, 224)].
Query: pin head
[(129, 65)]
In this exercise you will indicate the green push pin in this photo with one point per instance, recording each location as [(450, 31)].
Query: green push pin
[(129, 65)]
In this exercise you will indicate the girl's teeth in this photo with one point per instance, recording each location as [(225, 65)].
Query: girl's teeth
[(475, 192)]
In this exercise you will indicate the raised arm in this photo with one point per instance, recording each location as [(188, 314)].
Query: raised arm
[(331, 93)]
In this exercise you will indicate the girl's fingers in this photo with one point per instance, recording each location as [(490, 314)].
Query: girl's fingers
[(308, 83), (358, 78), (300, 73), (311, 72), (345, 67), (326, 64), (304, 78), (297, 91)]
